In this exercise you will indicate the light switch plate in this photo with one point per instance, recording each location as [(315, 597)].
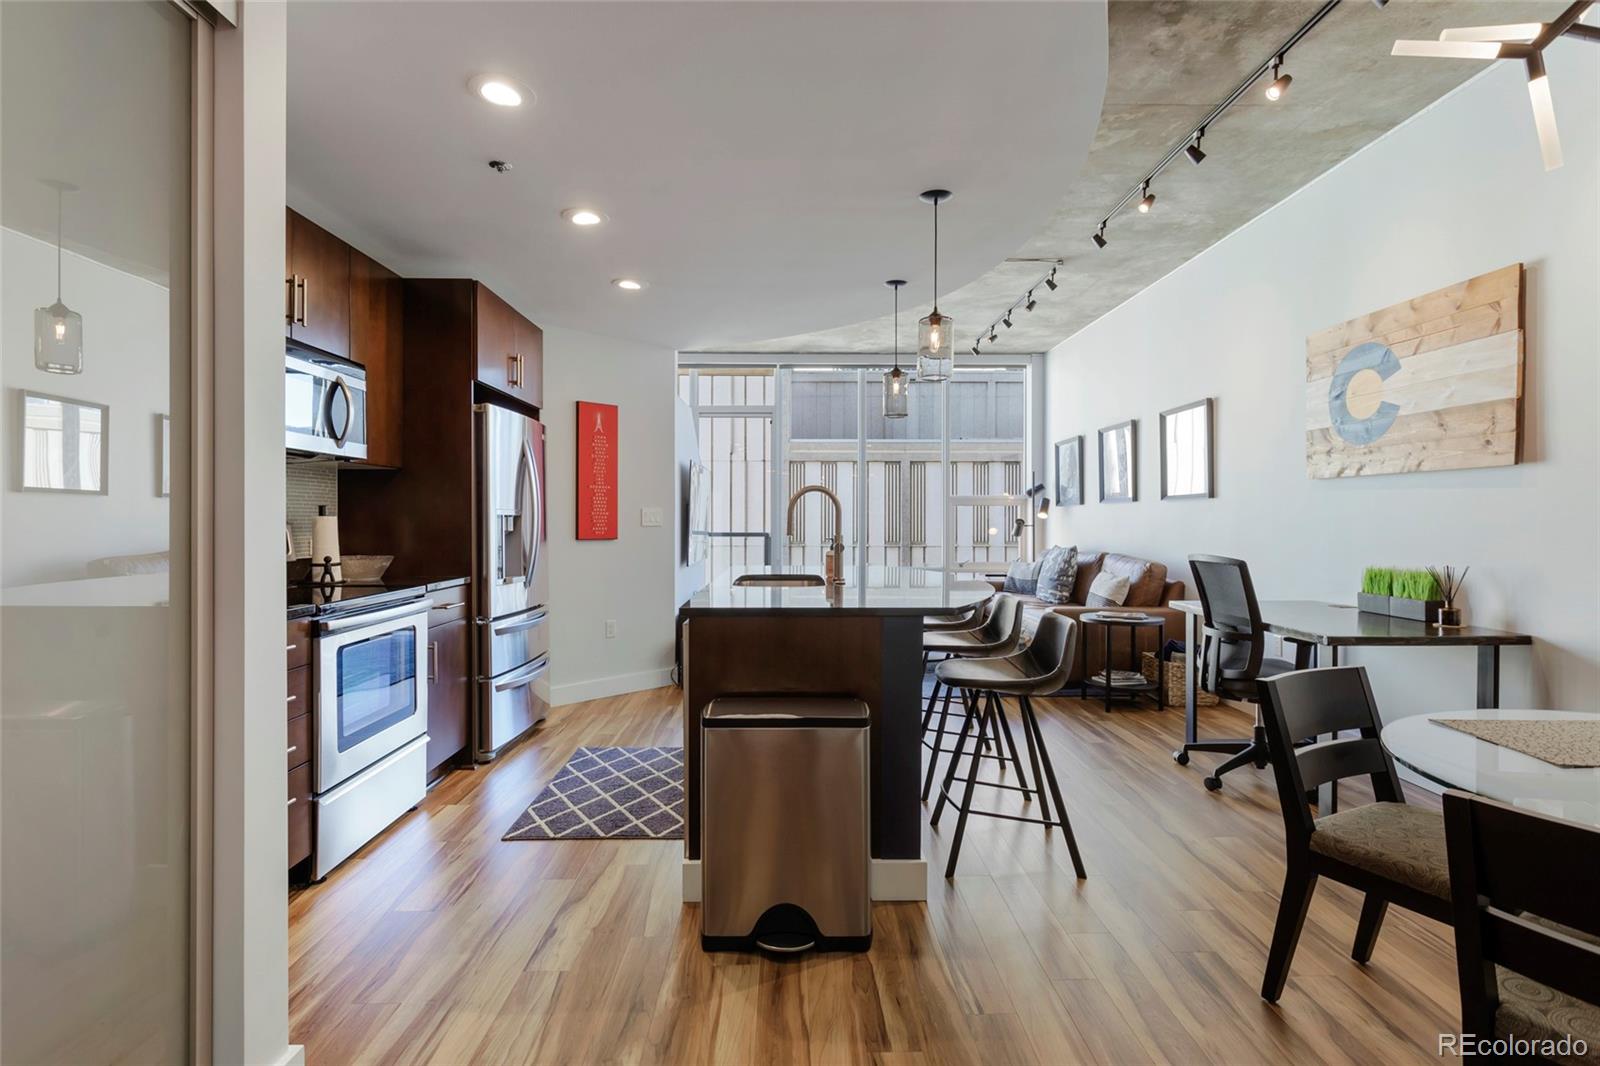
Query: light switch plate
[(650, 516)]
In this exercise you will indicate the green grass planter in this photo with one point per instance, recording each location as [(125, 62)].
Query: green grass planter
[(1413, 594)]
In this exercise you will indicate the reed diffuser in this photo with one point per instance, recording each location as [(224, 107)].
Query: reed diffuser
[(1449, 582)]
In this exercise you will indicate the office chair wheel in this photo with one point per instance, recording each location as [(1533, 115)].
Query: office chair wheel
[(1213, 784), (1180, 757)]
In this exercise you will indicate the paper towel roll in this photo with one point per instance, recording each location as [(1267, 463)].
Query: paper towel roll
[(325, 543)]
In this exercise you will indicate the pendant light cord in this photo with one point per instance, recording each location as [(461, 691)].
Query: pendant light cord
[(896, 326), (936, 255), (58, 244)]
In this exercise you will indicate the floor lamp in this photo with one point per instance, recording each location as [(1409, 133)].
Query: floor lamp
[(1036, 499)]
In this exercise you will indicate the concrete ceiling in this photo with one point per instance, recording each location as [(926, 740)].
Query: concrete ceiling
[(759, 162), (1170, 63)]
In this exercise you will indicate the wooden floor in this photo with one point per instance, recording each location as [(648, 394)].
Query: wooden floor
[(441, 943)]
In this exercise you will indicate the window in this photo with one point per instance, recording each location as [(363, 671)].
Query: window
[(910, 493)]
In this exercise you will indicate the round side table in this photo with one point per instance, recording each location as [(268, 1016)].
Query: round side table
[(1156, 689)]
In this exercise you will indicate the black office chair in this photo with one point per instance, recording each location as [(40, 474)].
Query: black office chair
[(1232, 656)]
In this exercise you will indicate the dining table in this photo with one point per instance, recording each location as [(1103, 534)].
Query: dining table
[(1455, 759)]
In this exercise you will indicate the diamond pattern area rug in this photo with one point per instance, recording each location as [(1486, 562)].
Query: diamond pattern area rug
[(608, 794)]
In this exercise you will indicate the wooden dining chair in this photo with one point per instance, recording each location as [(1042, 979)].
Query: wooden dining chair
[(1527, 917), (1391, 850)]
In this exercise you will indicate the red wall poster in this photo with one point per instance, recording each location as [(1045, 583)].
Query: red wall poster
[(597, 471)]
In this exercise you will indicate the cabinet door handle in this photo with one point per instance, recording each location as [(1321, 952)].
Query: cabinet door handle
[(511, 375), (291, 801), (433, 660), (304, 285), (291, 282), (290, 647), (291, 699), (292, 749)]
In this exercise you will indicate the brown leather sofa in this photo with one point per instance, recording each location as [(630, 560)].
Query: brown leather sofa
[(1148, 591)]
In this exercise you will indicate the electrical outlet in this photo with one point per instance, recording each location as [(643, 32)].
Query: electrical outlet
[(650, 516), (611, 628)]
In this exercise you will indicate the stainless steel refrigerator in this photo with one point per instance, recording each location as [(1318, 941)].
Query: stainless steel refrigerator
[(511, 575)]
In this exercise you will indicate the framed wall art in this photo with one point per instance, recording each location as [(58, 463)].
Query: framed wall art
[(1119, 463)]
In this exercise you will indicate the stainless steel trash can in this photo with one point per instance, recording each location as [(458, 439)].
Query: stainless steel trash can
[(785, 829)]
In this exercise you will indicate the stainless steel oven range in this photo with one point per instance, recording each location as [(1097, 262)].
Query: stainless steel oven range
[(371, 724)]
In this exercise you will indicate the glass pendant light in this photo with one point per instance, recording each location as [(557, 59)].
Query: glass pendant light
[(935, 333), (57, 329), (896, 382)]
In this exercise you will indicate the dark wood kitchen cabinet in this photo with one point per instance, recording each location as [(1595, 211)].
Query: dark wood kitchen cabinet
[(509, 348), (377, 334), (448, 692), (317, 283)]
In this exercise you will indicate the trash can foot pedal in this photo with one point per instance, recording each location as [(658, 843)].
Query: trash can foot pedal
[(786, 943)]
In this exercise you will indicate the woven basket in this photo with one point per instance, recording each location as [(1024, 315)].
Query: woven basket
[(1175, 678)]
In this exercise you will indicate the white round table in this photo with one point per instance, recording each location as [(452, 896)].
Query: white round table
[(1460, 760)]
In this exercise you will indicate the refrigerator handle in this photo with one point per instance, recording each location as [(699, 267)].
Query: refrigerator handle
[(532, 517)]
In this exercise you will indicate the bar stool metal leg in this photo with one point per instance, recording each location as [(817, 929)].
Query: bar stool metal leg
[(1033, 759), (938, 741), (955, 757), (1003, 725), (1055, 788), (972, 783)]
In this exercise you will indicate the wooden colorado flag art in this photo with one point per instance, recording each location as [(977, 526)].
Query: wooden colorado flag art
[(1431, 384)]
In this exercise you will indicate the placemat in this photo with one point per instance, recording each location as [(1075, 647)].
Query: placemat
[(1566, 743)]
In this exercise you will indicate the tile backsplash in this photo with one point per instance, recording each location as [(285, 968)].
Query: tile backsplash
[(310, 485)]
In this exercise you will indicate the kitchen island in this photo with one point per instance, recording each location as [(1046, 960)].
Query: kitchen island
[(862, 640)]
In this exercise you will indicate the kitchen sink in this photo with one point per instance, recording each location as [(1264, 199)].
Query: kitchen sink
[(780, 580)]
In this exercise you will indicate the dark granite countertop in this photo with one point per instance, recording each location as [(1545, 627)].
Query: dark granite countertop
[(306, 601), (889, 590)]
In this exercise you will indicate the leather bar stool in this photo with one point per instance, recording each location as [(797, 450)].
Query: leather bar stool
[(1040, 670), (999, 634)]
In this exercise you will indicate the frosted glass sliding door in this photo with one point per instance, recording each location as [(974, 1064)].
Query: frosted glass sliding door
[(96, 705)]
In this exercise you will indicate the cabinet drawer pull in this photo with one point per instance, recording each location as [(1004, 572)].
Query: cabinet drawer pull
[(292, 749), (291, 801), (446, 606), (290, 647), (291, 699)]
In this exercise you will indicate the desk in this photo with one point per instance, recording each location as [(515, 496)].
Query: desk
[(1460, 760), (1310, 625)]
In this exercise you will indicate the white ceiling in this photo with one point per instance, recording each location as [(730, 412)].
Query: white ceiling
[(759, 161)]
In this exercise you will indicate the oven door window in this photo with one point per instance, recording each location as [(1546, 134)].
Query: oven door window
[(377, 685)]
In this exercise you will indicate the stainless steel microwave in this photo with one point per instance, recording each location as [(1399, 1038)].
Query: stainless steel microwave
[(324, 406)]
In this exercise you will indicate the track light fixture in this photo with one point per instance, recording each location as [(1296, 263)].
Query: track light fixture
[(1196, 156), (973, 349), (1280, 81), (1149, 200), (1050, 282), (994, 334), (1031, 302), (1100, 236), (1007, 320), (1025, 302)]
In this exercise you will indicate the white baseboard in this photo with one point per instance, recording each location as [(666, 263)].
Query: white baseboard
[(293, 1055), (892, 880), (615, 685)]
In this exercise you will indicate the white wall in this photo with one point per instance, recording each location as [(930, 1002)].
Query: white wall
[(250, 979), (629, 579), (50, 536), (1457, 191)]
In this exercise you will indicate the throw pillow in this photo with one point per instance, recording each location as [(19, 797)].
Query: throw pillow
[(1108, 590), (1058, 570), (1022, 578)]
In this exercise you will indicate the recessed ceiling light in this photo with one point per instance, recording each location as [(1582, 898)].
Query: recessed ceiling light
[(500, 91), (627, 284), (583, 216)]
